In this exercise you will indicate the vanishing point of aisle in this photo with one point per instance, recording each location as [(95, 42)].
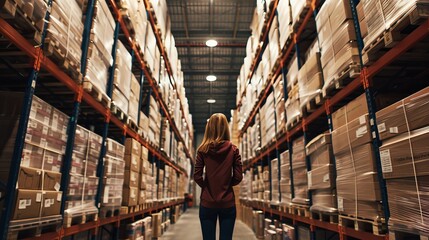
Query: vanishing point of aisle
[(188, 227)]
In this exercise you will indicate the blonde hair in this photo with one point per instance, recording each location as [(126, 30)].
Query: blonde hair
[(217, 131)]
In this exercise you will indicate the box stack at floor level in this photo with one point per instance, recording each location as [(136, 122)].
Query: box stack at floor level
[(275, 181), (268, 121), (132, 172), (279, 104), (122, 79), (404, 132), (144, 175), (156, 225), (357, 183), (83, 183), (141, 229), (113, 179), (299, 170), (38, 194), (310, 78), (100, 48), (285, 180), (154, 122), (337, 38), (64, 35), (321, 177)]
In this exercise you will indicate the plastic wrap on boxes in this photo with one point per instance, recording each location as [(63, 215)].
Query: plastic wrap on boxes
[(409, 204), (403, 116), (299, 170), (65, 30), (324, 201), (122, 77), (406, 155), (357, 183), (102, 30)]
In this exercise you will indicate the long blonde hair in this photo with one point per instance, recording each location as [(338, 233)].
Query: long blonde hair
[(217, 131)]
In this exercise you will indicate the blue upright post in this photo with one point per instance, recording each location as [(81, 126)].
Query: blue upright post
[(71, 129), (20, 138), (141, 94), (372, 109)]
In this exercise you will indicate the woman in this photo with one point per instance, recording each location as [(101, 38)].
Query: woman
[(223, 169)]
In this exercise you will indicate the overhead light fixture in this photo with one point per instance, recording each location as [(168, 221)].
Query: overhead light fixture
[(211, 78), (211, 100), (211, 43)]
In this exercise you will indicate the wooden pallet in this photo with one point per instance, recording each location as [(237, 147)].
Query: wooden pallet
[(57, 52), (19, 229), (133, 125), (106, 212), (301, 210), (325, 216), (343, 78), (390, 37), (129, 209), (127, 20), (98, 94), (293, 122), (22, 21), (79, 218), (302, 15), (376, 226), (312, 104)]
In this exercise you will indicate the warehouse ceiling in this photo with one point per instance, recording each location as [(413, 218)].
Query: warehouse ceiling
[(193, 22)]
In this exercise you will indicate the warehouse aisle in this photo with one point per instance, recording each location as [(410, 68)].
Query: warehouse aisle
[(188, 227)]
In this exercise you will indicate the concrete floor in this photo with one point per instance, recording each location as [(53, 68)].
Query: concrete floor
[(188, 227)]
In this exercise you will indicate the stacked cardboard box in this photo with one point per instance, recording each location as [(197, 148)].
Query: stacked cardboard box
[(160, 10), (321, 177), (38, 186), (83, 183), (152, 55), (135, 11), (285, 179), (268, 120), (299, 170), (132, 172), (275, 181), (154, 122), (279, 104), (310, 78), (144, 175), (403, 128), (133, 103), (64, 33), (293, 106), (337, 38), (266, 184), (357, 184), (285, 20), (122, 79), (113, 180), (141, 229), (100, 47), (156, 225), (390, 12), (246, 186), (165, 136), (297, 9)]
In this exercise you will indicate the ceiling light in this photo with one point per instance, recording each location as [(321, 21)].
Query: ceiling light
[(211, 78), (211, 43), (211, 100)]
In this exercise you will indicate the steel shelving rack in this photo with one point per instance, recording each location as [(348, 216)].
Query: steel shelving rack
[(363, 84), (41, 62)]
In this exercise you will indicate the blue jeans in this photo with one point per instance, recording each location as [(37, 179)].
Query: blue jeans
[(208, 219)]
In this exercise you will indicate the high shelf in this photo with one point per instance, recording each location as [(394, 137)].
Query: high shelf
[(68, 94), (369, 81)]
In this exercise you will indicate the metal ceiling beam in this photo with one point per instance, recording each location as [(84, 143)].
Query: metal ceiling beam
[(226, 71), (237, 18), (204, 39)]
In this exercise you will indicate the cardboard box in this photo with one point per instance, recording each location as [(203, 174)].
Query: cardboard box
[(406, 155), (324, 201), (131, 179), (130, 196), (357, 174), (132, 146), (365, 209), (321, 177), (51, 204), (29, 178), (354, 109), (51, 181), (355, 133), (28, 204), (132, 162), (392, 120)]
